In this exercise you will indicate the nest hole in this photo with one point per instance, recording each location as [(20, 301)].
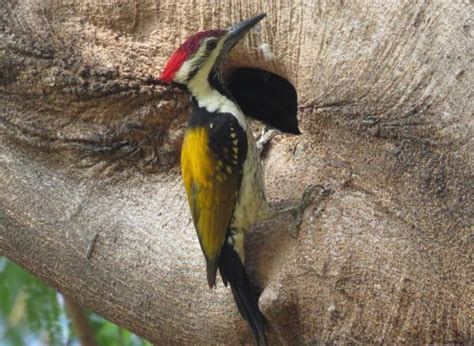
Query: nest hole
[(266, 97)]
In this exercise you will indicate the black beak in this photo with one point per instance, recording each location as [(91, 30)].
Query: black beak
[(237, 31)]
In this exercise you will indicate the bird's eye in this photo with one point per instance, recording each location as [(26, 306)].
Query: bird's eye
[(211, 44)]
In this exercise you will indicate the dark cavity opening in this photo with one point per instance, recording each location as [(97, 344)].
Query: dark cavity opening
[(266, 97)]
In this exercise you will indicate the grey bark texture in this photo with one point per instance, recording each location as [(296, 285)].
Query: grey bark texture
[(89, 150)]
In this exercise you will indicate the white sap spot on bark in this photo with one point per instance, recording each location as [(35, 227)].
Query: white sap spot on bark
[(266, 50)]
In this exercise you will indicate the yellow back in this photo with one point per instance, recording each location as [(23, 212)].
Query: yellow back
[(211, 191)]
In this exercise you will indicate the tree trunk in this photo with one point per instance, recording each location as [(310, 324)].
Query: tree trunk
[(91, 199)]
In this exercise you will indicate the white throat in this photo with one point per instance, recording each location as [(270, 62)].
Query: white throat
[(207, 97), (213, 101)]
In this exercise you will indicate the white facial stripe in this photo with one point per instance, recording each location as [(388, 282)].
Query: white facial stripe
[(207, 97), (209, 63), (183, 73)]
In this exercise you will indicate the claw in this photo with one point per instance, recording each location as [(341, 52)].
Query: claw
[(298, 210), (265, 137)]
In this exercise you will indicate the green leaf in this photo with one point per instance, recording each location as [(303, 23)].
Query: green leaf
[(30, 312)]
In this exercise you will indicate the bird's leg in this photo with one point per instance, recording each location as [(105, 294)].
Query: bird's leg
[(265, 137), (297, 209)]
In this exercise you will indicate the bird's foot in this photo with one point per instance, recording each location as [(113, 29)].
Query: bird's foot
[(265, 137), (297, 210)]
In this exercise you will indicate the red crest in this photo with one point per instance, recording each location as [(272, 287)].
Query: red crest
[(188, 48)]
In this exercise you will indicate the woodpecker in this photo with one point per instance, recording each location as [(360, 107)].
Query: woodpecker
[(220, 164)]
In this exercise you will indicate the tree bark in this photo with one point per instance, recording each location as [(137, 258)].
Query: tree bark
[(89, 144)]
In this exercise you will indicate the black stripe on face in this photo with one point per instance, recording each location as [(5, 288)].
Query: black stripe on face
[(195, 68), (202, 55)]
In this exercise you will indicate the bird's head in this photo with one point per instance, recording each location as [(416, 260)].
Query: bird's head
[(203, 52)]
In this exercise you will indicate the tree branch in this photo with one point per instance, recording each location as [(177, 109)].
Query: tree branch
[(89, 145), (79, 321)]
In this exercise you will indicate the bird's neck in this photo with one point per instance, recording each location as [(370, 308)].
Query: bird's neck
[(213, 100)]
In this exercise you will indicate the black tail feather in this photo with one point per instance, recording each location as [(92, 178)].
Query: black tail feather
[(233, 272)]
